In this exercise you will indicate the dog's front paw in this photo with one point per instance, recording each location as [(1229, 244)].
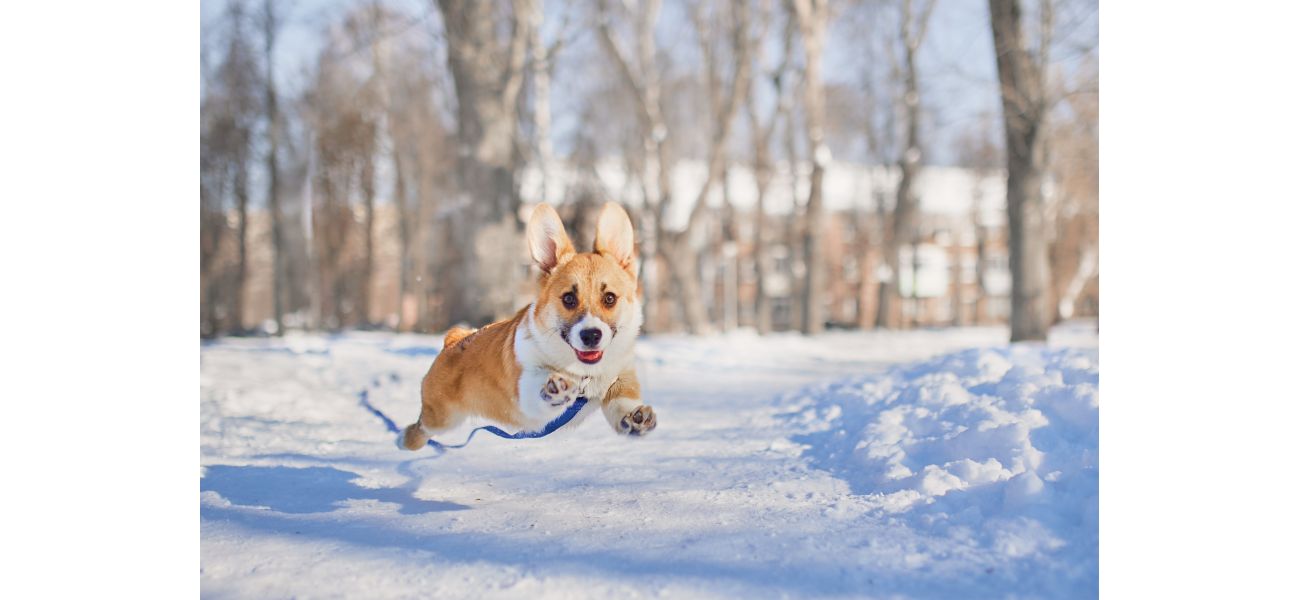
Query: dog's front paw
[(561, 390), (638, 422)]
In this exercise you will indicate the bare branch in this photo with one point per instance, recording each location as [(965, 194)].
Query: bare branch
[(513, 75), (725, 112), (922, 24), (630, 76)]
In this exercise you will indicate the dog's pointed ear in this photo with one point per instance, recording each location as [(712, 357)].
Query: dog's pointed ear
[(614, 237), (547, 241)]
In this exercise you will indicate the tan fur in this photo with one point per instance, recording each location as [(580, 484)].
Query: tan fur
[(625, 387), (477, 372), (456, 334), (593, 275)]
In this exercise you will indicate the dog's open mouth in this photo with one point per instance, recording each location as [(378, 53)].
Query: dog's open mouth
[(590, 357)]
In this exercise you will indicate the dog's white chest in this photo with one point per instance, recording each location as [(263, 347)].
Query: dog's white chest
[(539, 409), (538, 362)]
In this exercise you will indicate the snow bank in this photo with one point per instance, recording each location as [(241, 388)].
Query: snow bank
[(994, 446)]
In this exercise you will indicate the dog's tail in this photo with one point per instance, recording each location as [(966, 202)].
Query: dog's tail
[(413, 437), (455, 335)]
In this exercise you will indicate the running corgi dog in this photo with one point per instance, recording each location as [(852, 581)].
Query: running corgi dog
[(576, 339)]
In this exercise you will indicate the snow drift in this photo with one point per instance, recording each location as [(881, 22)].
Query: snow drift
[(996, 447)]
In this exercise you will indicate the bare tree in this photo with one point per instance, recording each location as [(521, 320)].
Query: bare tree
[(379, 21), (1022, 75), (813, 16), (912, 33), (898, 138), (542, 60), (642, 76), (793, 228), (241, 273), (424, 141), (487, 68), (365, 293), (368, 101), (231, 110), (245, 81), (978, 151), (957, 299), (341, 111), (1074, 138), (270, 28), (724, 103), (416, 143), (761, 131), (882, 143)]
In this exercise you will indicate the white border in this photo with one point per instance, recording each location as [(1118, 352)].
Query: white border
[(1200, 252), (99, 242)]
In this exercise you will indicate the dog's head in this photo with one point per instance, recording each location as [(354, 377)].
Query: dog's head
[(587, 313)]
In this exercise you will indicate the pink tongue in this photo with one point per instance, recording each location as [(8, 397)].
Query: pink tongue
[(592, 355)]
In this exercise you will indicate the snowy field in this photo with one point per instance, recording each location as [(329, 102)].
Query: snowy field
[(926, 464)]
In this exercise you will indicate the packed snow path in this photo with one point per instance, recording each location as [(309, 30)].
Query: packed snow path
[(782, 467)]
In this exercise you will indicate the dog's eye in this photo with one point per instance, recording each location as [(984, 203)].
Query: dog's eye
[(570, 300), (610, 299)]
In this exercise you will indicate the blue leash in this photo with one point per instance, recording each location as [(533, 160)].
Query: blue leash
[(556, 423)]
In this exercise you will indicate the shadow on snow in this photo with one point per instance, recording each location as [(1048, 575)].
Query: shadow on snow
[(307, 490)]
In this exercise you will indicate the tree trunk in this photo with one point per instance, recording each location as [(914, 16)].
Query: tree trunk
[(270, 26), (649, 274), (762, 302), (241, 271), (814, 292), (212, 230), (488, 74), (887, 290), (791, 235), (904, 222), (399, 129), (862, 251), (955, 273), (725, 251), (424, 253), (542, 60), (1023, 116), (916, 280), (911, 161), (981, 295), (903, 234), (813, 16), (406, 312), (368, 266), (684, 274)]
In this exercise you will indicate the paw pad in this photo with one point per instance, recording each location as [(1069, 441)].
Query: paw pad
[(559, 390), (638, 422)]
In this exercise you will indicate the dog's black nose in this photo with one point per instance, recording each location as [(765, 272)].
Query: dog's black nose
[(590, 337)]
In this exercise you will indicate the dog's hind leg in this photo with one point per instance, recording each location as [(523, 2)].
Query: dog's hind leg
[(432, 422)]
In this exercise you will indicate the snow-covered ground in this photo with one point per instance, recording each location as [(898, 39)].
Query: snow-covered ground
[(913, 464)]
